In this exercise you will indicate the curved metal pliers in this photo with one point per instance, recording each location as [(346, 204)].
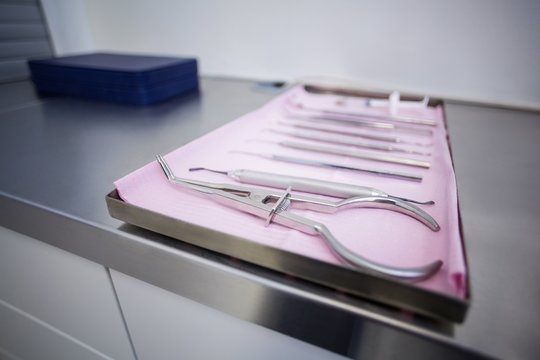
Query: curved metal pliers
[(272, 205)]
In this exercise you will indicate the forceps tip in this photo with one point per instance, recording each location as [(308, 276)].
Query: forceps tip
[(430, 202), (164, 166), (438, 264)]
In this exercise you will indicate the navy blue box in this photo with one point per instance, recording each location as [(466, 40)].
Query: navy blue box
[(130, 79)]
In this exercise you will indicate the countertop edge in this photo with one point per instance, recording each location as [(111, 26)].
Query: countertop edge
[(128, 253)]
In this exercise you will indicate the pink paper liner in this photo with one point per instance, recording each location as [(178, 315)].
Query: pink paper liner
[(380, 235)]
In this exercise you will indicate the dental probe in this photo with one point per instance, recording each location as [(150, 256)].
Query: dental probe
[(346, 120), (340, 140), (408, 119), (299, 124), (333, 165), (313, 186), (354, 153)]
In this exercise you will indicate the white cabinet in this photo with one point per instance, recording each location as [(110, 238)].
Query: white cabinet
[(30, 338), (164, 325), (56, 305)]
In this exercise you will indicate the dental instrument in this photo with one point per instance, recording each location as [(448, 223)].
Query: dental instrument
[(340, 140), (334, 165), (354, 153), (304, 184), (273, 206), (348, 121), (299, 124)]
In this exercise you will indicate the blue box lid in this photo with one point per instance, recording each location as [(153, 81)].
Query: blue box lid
[(113, 70)]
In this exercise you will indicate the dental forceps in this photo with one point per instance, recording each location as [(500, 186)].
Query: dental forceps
[(273, 206)]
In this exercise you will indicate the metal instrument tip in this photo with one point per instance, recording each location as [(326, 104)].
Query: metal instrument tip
[(431, 202), (206, 169)]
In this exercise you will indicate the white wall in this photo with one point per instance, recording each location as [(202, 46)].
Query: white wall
[(484, 50), (68, 26)]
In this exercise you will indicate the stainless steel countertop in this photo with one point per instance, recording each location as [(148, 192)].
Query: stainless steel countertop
[(60, 156)]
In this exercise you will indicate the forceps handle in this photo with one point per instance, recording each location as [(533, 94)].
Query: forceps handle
[(377, 202), (341, 251), (354, 196)]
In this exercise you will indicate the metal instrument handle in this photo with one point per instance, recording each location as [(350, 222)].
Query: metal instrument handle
[(312, 186), (324, 137), (312, 162), (377, 202), (315, 228), (357, 154)]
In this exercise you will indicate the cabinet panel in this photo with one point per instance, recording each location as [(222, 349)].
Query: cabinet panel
[(164, 325), (66, 291), (22, 337)]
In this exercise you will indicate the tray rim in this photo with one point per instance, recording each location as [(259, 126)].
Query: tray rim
[(360, 283)]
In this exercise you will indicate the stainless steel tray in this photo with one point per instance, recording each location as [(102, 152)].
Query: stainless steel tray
[(356, 282)]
